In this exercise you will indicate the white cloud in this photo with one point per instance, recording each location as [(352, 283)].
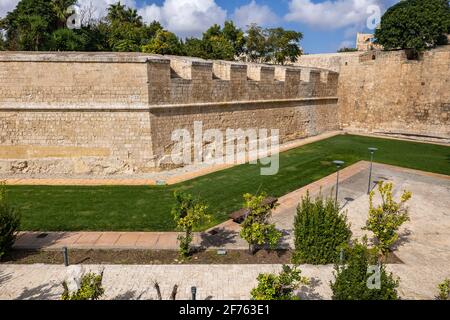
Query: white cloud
[(331, 14), (6, 6), (100, 7), (254, 13), (185, 17)]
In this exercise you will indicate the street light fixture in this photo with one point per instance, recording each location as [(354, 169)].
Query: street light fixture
[(338, 164), (372, 151)]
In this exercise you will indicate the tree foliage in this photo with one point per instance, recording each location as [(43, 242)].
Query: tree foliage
[(188, 213), (346, 49), (90, 288), (256, 228), (320, 231), (352, 279), (36, 25), (444, 290), (386, 218), (9, 222), (164, 42), (279, 287), (414, 24)]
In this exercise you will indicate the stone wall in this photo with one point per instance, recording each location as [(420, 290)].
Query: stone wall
[(111, 113), (328, 61), (294, 120), (387, 93)]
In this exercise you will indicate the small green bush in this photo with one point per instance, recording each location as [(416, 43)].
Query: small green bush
[(386, 218), (320, 231), (279, 287), (188, 214), (444, 290), (9, 222), (351, 280), (90, 288), (256, 228)]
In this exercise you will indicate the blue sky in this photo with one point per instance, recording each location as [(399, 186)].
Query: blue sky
[(327, 25)]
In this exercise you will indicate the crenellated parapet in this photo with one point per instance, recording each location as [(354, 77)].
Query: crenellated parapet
[(135, 79)]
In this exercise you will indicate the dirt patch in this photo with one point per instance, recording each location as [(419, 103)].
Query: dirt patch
[(146, 257)]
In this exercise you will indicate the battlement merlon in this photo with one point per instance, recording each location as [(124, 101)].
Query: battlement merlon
[(65, 78)]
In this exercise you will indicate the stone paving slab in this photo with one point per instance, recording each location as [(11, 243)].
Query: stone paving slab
[(132, 282)]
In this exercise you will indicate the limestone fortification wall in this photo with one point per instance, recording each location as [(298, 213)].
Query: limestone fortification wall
[(387, 93), (112, 113), (83, 114), (328, 61)]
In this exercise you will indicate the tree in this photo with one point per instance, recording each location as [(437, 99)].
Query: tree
[(164, 42), (283, 45), (357, 281), (345, 49), (320, 231), (235, 36), (9, 222), (414, 24), (256, 229), (255, 45), (29, 25), (60, 9), (279, 287), (126, 31), (68, 40), (194, 47), (188, 214), (386, 218), (215, 43)]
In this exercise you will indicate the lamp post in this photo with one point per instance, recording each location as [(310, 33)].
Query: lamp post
[(338, 164), (372, 151)]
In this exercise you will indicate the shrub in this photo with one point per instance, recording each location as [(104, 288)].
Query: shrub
[(256, 229), (444, 290), (279, 287), (9, 222), (414, 24), (352, 280), (386, 218), (320, 231), (188, 214), (90, 288)]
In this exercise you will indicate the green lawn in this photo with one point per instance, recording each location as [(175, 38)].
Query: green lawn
[(139, 208)]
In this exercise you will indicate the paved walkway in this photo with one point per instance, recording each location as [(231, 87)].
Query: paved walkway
[(225, 235), (134, 282)]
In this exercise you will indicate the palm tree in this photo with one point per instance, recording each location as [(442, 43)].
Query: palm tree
[(60, 7)]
